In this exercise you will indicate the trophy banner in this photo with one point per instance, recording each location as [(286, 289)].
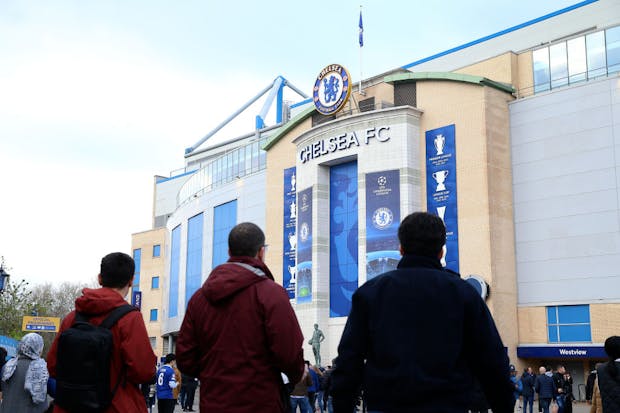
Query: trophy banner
[(289, 266), (441, 191)]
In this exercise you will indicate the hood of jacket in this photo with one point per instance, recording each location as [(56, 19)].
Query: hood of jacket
[(98, 301), (229, 278)]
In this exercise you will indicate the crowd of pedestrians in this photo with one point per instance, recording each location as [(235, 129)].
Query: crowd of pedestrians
[(240, 342)]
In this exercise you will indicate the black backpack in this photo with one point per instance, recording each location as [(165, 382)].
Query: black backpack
[(83, 364)]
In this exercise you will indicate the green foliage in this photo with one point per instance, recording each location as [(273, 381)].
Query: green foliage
[(15, 302)]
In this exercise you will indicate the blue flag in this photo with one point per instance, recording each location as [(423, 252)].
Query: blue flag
[(361, 31)]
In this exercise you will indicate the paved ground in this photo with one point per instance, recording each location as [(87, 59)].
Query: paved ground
[(578, 407)]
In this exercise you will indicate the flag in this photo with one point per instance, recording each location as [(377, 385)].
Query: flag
[(361, 31)]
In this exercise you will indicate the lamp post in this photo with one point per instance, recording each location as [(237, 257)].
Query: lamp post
[(4, 278)]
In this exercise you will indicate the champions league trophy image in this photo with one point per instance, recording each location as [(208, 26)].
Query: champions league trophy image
[(292, 240), (440, 178), (440, 143), (292, 269), (443, 258), (441, 212), (293, 181)]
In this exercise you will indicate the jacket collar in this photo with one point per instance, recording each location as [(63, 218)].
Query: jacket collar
[(410, 260)]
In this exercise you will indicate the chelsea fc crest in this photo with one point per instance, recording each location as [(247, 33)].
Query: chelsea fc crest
[(382, 218), (331, 89)]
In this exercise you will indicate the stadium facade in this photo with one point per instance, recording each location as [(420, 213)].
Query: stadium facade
[(512, 139)]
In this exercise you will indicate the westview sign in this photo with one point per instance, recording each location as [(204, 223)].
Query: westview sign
[(572, 352)]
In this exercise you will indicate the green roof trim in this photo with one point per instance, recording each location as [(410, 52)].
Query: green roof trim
[(288, 126), (455, 77)]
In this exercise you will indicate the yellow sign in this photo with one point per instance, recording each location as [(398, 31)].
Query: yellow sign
[(41, 324)]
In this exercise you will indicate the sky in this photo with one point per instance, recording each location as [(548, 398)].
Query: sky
[(98, 97)]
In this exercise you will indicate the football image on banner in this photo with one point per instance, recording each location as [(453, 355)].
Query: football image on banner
[(304, 246)]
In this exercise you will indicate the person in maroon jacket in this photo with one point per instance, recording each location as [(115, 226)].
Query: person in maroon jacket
[(132, 353), (240, 332)]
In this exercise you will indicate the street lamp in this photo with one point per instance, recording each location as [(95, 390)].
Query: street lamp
[(4, 278)]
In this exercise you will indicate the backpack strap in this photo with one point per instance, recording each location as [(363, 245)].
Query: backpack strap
[(116, 315)]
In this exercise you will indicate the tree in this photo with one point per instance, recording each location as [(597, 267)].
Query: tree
[(15, 302)]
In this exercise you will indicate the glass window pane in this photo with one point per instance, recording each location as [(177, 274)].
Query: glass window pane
[(575, 333), (571, 314), (551, 315), (558, 64), (552, 334), (612, 39), (156, 250), (155, 283), (577, 67), (542, 75), (595, 46)]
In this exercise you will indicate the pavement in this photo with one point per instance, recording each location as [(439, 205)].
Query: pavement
[(578, 407)]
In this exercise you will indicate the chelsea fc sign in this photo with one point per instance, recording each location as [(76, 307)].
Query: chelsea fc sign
[(331, 89)]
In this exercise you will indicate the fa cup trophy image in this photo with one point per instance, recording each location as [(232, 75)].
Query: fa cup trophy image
[(440, 178)]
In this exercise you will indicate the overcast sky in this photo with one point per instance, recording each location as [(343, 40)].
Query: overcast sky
[(97, 97)]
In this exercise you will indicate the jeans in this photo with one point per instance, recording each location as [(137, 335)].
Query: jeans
[(560, 400), (544, 404), (319, 399), (528, 401), (303, 404)]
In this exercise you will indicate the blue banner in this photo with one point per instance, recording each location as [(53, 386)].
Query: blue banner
[(136, 299), (289, 269), (565, 352), (382, 221), (441, 194), (304, 247)]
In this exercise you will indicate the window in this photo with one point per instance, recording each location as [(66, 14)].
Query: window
[(153, 341), (175, 259), (154, 283), (595, 46), (153, 315), (137, 258), (559, 65), (224, 219), (156, 250), (568, 323), (542, 76), (193, 268), (612, 40)]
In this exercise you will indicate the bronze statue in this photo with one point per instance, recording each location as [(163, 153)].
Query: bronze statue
[(315, 342)]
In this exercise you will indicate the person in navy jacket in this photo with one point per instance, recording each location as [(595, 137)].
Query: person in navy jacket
[(417, 336)]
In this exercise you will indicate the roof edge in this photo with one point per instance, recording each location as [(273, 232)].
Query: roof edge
[(288, 126), (455, 77)]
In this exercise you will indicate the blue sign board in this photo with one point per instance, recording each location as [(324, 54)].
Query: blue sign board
[(304, 246), (382, 221), (136, 299), (289, 267), (441, 195), (565, 352), (10, 345)]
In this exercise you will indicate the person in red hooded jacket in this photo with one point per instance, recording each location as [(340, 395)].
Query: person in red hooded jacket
[(240, 332), (132, 350)]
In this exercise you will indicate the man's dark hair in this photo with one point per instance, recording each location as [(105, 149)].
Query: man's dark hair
[(3, 354), (423, 234), (117, 269), (169, 357), (245, 240)]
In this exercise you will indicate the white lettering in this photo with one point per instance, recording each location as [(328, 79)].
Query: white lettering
[(342, 142), (566, 352)]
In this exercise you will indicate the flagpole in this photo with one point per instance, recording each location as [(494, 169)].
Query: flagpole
[(361, 41)]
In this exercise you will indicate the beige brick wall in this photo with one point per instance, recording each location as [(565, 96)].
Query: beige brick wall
[(150, 267), (605, 321), (486, 231), (525, 86), (500, 68)]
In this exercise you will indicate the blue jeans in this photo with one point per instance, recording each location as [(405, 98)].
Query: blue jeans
[(560, 401), (544, 404), (528, 400), (302, 402)]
